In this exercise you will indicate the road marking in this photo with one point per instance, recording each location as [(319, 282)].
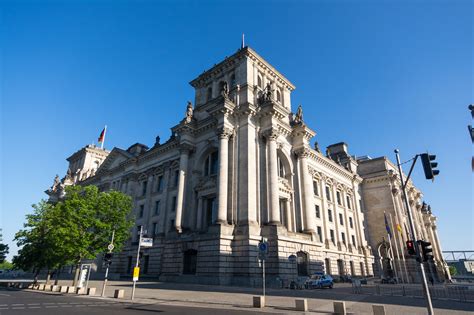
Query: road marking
[(80, 305), (3, 304), (4, 294), (52, 306), (3, 308), (66, 305), (33, 304), (18, 308), (18, 304), (34, 307), (48, 303)]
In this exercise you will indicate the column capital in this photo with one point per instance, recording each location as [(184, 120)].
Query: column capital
[(271, 134), (185, 148), (302, 153), (224, 132)]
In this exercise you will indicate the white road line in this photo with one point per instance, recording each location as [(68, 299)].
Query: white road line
[(4, 294), (52, 306), (3, 304), (18, 308), (18, 304), (34, 307), (33, 304), (66, 305), (80, 305), (48, 303), (3, 308)]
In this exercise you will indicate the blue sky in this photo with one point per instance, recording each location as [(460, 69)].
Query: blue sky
[(375, 74)]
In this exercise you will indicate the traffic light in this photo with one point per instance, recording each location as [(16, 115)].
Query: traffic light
[(426, 250), (411, 248), (429, 166), (108, 257)]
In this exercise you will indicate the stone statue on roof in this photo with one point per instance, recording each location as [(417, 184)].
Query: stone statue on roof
[(316, 147), (225, 89), (299, 115), (55, 183), (189, 112)]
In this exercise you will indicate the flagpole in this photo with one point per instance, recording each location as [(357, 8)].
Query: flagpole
[(396, 249), (401, 242), (390, 242), (103, 140)]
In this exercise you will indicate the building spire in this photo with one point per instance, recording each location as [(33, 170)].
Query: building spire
[(243, 41)]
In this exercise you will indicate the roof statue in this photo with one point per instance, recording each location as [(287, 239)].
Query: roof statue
[(55, 183), (225, 89), (189, 112), (316, 147), (299, 116)]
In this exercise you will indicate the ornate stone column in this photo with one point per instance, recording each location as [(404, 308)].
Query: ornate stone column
[(224, 134), (272, 136), (308, 196), (183, 167), (199, 213)]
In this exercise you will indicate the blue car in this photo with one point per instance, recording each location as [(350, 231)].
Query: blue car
[(320, 281)]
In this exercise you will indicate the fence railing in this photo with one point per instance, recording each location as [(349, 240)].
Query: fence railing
[(438, 292)]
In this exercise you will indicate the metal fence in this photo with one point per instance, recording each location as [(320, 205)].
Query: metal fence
[(438, 292)]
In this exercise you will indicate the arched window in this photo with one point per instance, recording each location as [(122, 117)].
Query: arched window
[(190, 262), (260, 82), (209, 93), (302, 264), (281, 168), (278, 96), (210, 166)]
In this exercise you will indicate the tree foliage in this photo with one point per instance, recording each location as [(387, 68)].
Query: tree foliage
[(452, 270), (76, 228), (3, 252)]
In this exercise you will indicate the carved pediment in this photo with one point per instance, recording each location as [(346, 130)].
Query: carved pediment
[(113, 160), (206, 183)]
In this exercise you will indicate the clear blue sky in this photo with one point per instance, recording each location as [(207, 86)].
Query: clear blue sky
[(375, 74)]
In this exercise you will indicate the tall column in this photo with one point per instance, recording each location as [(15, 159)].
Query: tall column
[(199, 214), (309, 214), (224, 134), (183, 166), (273, 177)]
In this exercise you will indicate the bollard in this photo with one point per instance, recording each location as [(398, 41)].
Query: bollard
[(378, 309), (47, 287), (91, 291), (41, 287), (70, 289), (80, 290), (20, 285), (339, 307), (259, 301), (118, 294), (301, 305), (55, 288), (63, 289)]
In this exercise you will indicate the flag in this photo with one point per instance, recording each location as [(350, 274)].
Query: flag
[(399, 228), (102, 135), (387, 227)]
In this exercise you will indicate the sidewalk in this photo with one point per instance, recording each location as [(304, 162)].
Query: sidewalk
[(277, 300)]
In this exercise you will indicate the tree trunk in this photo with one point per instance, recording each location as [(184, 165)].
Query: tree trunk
[(48, 277), (76, 274)]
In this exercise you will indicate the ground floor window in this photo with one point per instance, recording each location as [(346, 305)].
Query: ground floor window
[(129, 265), (352, 268), (362, 271), (327, 264), (145, 264), (302, 263), (340, 267), (190, 262)]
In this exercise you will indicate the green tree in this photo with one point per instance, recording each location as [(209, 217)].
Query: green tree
[(452, 270), (6, 265), (3, 252), (92, 216), (76, 228)]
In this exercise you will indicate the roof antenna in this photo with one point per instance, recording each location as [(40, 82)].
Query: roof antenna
[(243, 41)]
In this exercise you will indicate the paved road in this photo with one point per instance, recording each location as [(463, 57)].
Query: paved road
[(38, 303)]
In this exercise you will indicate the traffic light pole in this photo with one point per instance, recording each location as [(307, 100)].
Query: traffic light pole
[(111, 248), (419, 257)]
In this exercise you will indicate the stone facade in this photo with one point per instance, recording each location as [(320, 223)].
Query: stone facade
[(237, 168), (382, 195)]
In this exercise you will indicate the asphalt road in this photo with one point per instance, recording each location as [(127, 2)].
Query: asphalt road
[(37, 303)]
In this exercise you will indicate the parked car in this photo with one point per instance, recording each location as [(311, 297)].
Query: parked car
[(320, 281)]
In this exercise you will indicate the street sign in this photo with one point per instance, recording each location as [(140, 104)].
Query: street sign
[(146, 242), (292, 258), (136, 273), (110, 247), (262, 247), (84, 275)]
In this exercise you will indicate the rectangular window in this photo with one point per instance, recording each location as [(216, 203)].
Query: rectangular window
[(141, 211), (331, 233), (315, 188), (172, 225), (348, 201), (176, 178), (318, 212), (338, 197), (329, 215), (341, 219), (144, 184), (157, 207), (353, 240), (320, 234), (154, 231), (343, 237), (350, 223), (173, 204), (328, 193), (159, 184)]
